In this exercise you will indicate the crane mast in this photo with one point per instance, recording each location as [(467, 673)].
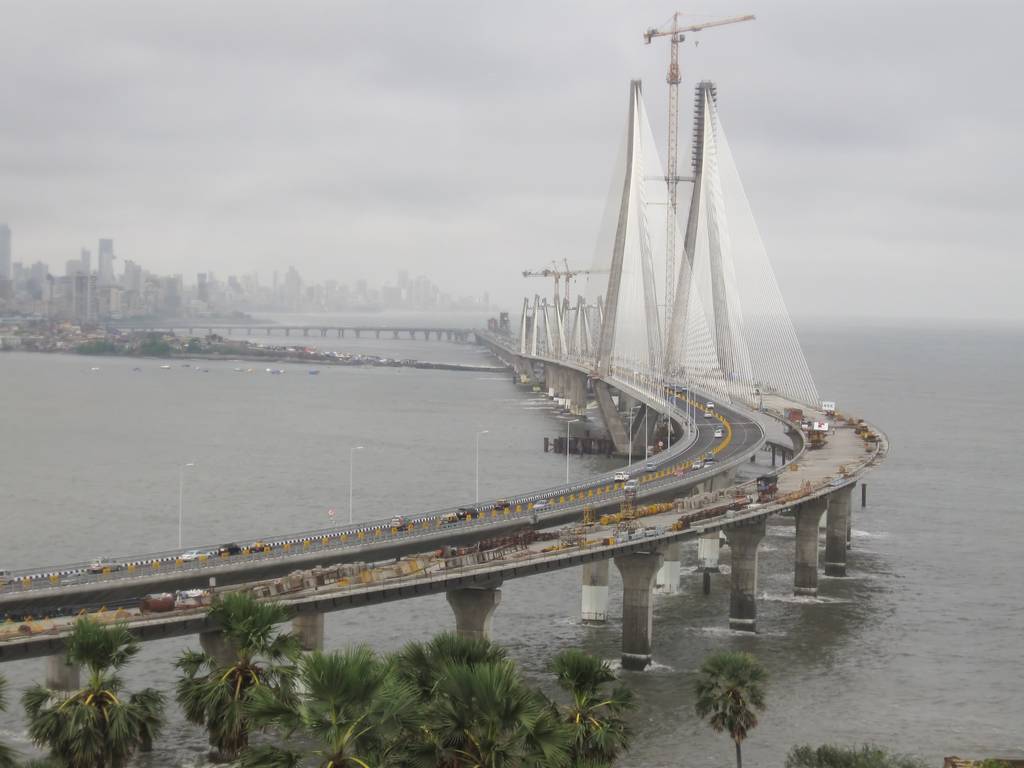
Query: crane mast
[(676, 35)]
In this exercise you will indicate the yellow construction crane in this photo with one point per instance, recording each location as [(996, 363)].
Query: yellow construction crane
[(558, 274), (676, 35)]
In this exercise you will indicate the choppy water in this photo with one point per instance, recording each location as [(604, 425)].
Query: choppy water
[(919, 649)]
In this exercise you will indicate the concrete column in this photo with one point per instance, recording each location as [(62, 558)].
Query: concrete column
[(836, 531), (61, 676), (638, 571), (743, 543), (215, 644), (708, 546), (309, 628), (473, 608), (805, 581), (722, 480), (595, 592), (667, 579)]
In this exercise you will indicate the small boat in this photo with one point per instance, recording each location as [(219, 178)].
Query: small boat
[(186, 365), (314, 372), (136, 369), (166, 367), (94, 368)]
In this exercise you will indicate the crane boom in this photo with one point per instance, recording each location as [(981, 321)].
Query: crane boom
[(674, 77)]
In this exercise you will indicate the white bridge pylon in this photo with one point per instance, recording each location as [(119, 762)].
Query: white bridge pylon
[(731, 334)]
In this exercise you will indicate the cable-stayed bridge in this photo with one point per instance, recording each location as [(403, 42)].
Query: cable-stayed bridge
[(720, 369), (728, 332)]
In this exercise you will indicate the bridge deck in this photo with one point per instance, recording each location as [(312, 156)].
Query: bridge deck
[(810, 475)]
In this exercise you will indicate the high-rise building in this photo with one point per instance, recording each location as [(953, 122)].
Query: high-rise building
[(86, 259), (106, 263), (132, 279), (84, 298), (5, 252)]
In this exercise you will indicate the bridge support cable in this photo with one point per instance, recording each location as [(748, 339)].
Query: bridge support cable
[(731, 331)]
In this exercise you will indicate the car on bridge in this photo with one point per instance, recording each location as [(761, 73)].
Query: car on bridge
[(192, 554), (650, 466), (709, 414), (463, 512), (228, 550), (540, 506), (104, 565), (719, 432), (620, 477), (698, 464), (501, 505), (260, 546)]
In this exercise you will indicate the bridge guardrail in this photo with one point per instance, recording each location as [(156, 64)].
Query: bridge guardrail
[(313, 540)]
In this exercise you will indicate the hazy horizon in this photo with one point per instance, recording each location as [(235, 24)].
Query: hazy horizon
[(469, 142)]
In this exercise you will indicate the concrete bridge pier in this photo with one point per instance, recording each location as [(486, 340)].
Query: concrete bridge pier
[(60, 675), (667, 580), (708, 546), (309, 629), (808, 514), (722, 480), (216, 644), (837, 531), (578, 393), (594, 608), (743, 543), (611, 417), (638, 572), (473, 608)]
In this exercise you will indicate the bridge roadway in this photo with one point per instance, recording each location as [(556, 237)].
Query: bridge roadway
[(71, 587), (462, 335), (813, 480)]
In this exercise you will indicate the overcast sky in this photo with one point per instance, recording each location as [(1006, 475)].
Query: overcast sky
[(879, 141)]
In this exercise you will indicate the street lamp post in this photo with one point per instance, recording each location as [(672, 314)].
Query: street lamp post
[(181, 495), (567, 426), (481, 432), (351, 464)]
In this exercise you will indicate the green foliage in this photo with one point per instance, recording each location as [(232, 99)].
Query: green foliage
[(193, 345), (97, 347), (595, 714), (730, 692), (476, 708), (154, 346), (215, 695), (96, 726), (991, 762), (8, 757), (832, 756), (352, 709)]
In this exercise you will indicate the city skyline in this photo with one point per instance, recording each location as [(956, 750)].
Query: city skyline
[(87, 296), (480, 143)]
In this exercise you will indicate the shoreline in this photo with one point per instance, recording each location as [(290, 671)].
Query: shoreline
[(357, 362)]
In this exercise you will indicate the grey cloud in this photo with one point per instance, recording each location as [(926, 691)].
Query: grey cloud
[(473, 140)]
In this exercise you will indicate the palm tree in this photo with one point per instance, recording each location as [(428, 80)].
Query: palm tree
[(729, 690), (484, 715), (96, 726), (8, 757), (595, 715), (214, 695), (477, 710), (352, 708), (422, 665)]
